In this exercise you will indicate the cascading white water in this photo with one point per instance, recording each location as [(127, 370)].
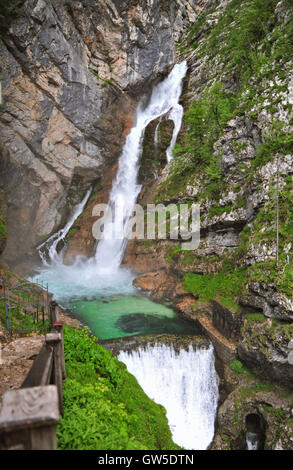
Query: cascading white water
[(164, 98), (186, 384), (156, 136), (48, 249), (176, 115), (109, 253), (252, 441)]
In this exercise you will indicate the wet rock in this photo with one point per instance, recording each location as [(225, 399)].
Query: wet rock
[(141, 342), (253, 398), (72, 74), (264, 348)]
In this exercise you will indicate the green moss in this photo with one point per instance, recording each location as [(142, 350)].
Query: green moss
[(255, 317), (104, 407), (9, 12), (225, 286), (282, 144), (253, 52), (219, 210), (3, 229), (108, 81), (239, 368), (277, 412)]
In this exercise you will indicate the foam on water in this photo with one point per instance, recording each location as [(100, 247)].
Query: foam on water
[(186, 384)]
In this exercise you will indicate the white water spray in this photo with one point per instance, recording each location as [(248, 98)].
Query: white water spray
[(156, 136), (164, 98), (186, 384), (252, 441), (176, 115), (102, 273), (48, 249)]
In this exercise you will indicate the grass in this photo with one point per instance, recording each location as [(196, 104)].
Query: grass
[(105, 408), (224, 286), (239, 368), (252, 53), (255, 317), (23, 322)]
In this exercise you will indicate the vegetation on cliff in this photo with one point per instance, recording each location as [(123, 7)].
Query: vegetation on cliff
[(105, 408), (236, 145), (8, 13)]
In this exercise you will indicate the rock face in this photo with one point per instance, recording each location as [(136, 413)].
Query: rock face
[(3, 228), (240, 173), (67, 69), (264, 347), (259, 408)]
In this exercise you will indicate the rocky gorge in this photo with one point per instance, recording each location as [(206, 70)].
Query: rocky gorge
[(72, 76)]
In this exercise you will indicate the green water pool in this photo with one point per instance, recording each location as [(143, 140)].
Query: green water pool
[(120, 316)]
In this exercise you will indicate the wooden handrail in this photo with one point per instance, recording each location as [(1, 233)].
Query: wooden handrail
[(41, 370), (29, 415), (28, 419)]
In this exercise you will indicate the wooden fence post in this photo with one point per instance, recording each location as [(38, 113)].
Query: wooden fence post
[(54, 339), (28, 418), (53, 313), (58, 326)]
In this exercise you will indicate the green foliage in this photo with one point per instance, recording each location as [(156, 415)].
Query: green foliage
[(282, 144), (247, 44), (239, 368), (206, 119), (255, 317), (8, 12), (225, 286), (219, 210), (279, 414), (22, 322), (3, 229), (108, 81), (249, 48), (105, 408)]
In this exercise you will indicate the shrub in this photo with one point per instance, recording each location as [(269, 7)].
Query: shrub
[(104, 407)]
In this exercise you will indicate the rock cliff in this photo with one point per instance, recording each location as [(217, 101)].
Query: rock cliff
[(234, 158), (72, 73)]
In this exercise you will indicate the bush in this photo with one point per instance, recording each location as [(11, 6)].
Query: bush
[(8, 12), (104, 407)]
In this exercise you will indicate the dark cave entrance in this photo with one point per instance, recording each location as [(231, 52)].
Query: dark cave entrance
[(255, 431)]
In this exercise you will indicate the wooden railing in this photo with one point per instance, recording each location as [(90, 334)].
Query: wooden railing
[(29, 415)]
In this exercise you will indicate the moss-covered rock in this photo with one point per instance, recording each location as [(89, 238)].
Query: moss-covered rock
[(157, 138), (270, 405), (264, 348)]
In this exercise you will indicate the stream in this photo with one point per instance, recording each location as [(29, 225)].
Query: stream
[(100, 293)]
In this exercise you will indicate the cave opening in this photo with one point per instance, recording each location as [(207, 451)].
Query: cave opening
[(255, 431)]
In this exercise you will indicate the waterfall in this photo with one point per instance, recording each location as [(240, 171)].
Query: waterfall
[(252, 440), (156, 136), (185, 383), (101, 273), (176, 115), (164, 98), (48, 249)]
